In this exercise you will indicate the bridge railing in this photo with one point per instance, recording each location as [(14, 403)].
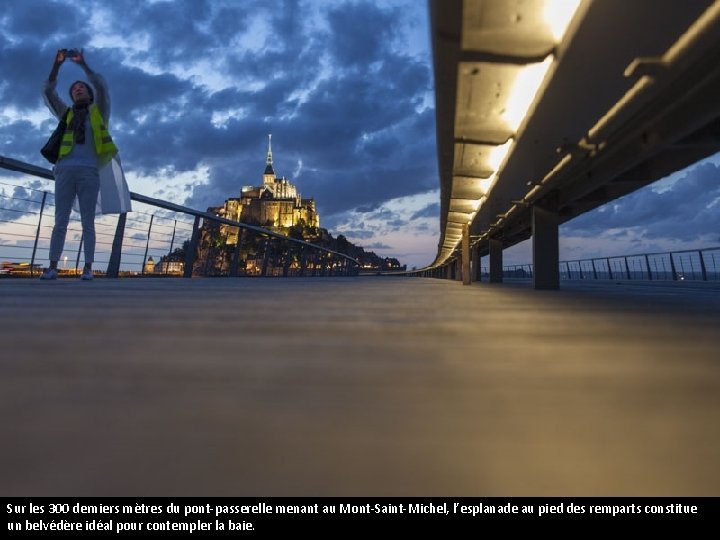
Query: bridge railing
[(158, 238), (681, 265)]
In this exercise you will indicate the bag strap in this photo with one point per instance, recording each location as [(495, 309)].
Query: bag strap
[(63, 120)]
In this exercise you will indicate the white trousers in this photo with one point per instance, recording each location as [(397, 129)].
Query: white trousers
[(71, 182)]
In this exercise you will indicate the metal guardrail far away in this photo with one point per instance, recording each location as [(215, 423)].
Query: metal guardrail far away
[(157, 238), (683, 265)]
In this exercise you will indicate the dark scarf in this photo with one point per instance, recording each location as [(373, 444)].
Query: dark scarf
[(77, 125)]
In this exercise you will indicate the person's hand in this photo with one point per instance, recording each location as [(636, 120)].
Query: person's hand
[(60, 56), (80, 58)]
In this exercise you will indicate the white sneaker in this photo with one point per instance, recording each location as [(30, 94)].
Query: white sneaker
[(49, 273), (87, 274)]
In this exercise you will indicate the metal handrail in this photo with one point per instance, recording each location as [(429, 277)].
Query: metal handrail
[(26, 168), (586, 269), (708, 268)]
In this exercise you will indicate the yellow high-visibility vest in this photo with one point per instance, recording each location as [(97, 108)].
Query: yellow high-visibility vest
[(104, 145)]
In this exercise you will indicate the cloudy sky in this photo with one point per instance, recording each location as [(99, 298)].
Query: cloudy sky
[(345, 88)]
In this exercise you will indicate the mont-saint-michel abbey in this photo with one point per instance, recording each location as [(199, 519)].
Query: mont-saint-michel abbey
[(276, 205)]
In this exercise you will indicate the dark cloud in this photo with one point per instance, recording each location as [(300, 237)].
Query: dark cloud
[(367, 208), (423, 228), (358, 234), (19, 201), (341, 98), (378, 245), (432, 210), (21, 138), (37, 21), (360, 33)]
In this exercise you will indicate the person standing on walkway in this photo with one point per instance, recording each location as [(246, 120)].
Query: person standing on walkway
[(86, 147)]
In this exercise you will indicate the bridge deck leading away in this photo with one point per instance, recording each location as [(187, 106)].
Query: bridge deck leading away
[(358, 386)]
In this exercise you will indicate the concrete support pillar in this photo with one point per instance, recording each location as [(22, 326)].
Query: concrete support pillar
[(475, 263), (546, 249), (496, 264), (466, 254)]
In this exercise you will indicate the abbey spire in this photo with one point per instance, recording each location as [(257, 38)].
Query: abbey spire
[(269, 175)]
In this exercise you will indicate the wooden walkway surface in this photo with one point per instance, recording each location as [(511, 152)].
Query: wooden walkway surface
[(368, 386)]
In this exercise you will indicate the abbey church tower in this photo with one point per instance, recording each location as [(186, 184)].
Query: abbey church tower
[(269, 174), (276, 204)]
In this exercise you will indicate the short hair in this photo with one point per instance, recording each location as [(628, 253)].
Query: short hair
[(86, 85)]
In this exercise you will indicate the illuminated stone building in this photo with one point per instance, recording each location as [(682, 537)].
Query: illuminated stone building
[(169, 267), (149, 266), (276, 204)]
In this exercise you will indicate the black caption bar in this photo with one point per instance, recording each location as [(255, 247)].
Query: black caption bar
[(256, 517)]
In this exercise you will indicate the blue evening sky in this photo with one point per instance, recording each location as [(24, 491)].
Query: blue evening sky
[(345, 88)]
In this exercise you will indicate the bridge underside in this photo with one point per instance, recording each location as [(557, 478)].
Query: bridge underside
[(630, 95)]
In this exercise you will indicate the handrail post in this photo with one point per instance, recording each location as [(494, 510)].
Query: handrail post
[(80, 246), (682, 268), (37, 235), (172, 243), (113, 269), (627, 269), (266, 256), (303, 261), (286, 261), (592, 261), (647, 264), (702, 265), (236, 252), (147, 245), (672, 268), (190, 253), (610, 276)]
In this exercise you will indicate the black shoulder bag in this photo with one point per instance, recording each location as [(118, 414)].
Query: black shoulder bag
[(52, 146)]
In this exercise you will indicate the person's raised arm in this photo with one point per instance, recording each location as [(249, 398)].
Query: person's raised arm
[(59, 59), (52, 100), (102, 96)]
